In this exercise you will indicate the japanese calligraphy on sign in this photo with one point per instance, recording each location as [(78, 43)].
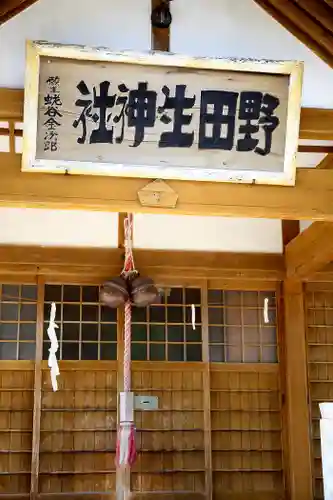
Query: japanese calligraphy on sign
[(164, 116), (52, 104)]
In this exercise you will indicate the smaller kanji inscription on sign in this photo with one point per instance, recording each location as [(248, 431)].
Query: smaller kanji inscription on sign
[(52, 113), (163, 121)]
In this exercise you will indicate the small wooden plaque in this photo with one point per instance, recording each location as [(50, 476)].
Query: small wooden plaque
[(158, 194)]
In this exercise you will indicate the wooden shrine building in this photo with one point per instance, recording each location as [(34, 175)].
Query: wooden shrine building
[(239, 351)]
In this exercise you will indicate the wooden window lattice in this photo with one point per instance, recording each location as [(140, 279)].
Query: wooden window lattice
[(18, 316), (161, 332), (237, 329), (87, 330), (164, 332)]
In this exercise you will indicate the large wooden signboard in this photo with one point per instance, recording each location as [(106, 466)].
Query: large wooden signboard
[(98, 112)]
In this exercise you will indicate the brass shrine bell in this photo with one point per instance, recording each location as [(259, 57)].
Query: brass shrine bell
[(140, 290)]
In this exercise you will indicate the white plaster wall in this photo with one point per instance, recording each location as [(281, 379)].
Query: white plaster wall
[(200, 27), (118, 24), (28, 226), (71, 228), (241, 28), (207, 233)]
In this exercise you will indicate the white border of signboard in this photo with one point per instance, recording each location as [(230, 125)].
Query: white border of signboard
[(30, 163)]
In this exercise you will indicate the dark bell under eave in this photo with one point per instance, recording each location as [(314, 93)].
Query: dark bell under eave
[(161, 16), (141, 290)]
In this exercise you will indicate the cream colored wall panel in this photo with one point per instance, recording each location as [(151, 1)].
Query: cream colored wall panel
[(207, 233), (30, 226)]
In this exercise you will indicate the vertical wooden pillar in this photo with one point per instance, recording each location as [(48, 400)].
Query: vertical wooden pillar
[(206, 395), (37, 392), (297, 399), (160, 38), (11, 124), (121, 230)]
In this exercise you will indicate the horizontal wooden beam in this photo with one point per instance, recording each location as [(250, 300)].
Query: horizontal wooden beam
[(103, 263), (316, 123), (11, 104), (310, 251), (10, 8), (311, 198), (302, 26), (219, 265), (315, 148), (138, 495), (320, 11)]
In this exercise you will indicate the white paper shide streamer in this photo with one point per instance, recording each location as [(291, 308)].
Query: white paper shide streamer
[(193, 316), (266, 316), (52, 361)]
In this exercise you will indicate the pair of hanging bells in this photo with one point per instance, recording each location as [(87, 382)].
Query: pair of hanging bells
[(140, 290)]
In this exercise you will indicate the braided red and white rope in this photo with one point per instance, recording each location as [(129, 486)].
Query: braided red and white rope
[(127, 347), (127, 271), (126, 451)]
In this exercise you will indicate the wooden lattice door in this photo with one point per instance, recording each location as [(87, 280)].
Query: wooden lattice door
[(218, 427), (319, 309)]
